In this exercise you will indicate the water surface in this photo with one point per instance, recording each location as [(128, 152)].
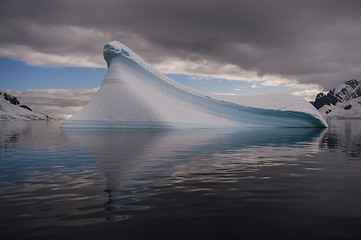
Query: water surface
[(284, 183)]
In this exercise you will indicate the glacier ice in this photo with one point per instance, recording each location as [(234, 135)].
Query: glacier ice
[(134, 94)]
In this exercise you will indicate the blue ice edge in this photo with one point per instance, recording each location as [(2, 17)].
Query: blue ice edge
[(134, 124), (311, 122), (244, 117)]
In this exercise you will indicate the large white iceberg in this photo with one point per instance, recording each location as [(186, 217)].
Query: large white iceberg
[(134, 94)]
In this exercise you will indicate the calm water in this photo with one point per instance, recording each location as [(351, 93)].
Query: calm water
[(180, 184)]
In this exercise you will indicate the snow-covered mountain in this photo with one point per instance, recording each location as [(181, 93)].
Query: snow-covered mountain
[(134, 94), (11, 109), (341, 102)]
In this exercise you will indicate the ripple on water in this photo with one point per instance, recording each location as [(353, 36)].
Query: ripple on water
[(171, 180)]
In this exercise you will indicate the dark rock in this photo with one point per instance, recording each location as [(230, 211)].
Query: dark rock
[(322, 99), (353, 83), (348, 107), (13, 100), (349, 90), (26, 107)]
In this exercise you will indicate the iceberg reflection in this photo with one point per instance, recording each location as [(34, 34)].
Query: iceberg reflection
[(134, 160)]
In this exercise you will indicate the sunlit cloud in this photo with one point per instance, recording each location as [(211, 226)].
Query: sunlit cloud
[(207, 69), (307, 94)]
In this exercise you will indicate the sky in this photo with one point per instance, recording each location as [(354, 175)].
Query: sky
[(55, 47)]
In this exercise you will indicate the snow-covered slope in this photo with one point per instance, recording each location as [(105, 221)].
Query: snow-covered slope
[(133, 93), (349, 90), (342, 102), (11, 109), (280, 101), (350, 109)]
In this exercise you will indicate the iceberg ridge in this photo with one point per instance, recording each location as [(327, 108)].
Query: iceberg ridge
[(134, 94)]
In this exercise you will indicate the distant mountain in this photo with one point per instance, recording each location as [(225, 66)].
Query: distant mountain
[(342, 102), (11, 109)]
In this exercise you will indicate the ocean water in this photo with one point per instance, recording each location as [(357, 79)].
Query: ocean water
[(268, 183)]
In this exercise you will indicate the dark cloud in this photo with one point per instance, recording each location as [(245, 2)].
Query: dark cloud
[(312, 41)]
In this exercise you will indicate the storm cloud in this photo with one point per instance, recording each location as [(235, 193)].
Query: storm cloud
[(299, 42)]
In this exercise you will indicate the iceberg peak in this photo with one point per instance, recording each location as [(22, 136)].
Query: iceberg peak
[(116, 49)]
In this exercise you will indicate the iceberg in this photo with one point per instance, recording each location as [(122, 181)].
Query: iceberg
[(134, 94)]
